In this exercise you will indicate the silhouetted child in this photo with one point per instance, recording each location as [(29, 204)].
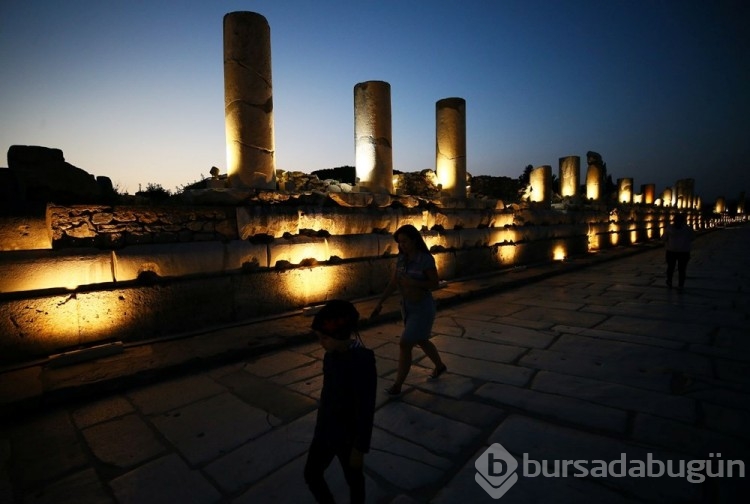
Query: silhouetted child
[(347, 402)]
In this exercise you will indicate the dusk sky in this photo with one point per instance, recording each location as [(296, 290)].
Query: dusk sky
[(133, 90)]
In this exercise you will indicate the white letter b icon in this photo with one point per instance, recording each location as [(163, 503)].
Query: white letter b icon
[(496, 470)]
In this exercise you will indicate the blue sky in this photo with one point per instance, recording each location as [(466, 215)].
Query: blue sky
[(134, 89)]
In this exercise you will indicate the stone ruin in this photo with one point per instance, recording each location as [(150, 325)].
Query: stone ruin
[(37, 175)]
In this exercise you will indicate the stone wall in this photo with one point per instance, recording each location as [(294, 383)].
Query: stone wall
[(131, 273)]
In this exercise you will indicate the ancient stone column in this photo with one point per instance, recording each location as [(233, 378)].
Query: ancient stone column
[(594, 180), (540, 179), (570, 175), (666, 197), (595, 176), (684, 192), (625, 190), (372, 136), (248, 101), (721, 205), (450, 146), (649, 193)]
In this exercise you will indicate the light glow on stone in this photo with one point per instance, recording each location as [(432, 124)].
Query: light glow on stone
[(306, 284), (446, 174), (614, 237), (558, 254)]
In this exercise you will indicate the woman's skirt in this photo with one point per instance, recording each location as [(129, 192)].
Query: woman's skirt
[(418, 318)]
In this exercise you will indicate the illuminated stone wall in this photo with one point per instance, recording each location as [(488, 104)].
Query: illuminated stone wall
[(117, 226), (190, 268)]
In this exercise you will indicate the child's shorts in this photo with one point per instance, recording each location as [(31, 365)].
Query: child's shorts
[(418, 318)]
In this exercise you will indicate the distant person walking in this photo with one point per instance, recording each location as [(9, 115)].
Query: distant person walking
[(415, 277), (678, 238), (347, 402)]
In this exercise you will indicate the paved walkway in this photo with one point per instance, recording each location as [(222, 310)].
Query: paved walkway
[(586, 360)]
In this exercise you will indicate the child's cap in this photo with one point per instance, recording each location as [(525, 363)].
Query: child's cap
[(337, 319)]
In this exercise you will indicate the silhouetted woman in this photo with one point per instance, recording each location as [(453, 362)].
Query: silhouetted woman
[(415, 277)]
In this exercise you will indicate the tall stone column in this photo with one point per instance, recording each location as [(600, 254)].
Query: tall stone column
[(625, 190), (570, 175), (248, 101), (373, 150), (450, 146), (540, 179)]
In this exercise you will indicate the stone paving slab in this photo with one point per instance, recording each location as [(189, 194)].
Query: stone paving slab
[(599, 369), (534, 318), (465, 347), (498, 331), (124, 442), (161, 397), (449, 385), (101, 410), (204, 430), (487, 370), (270, 397), (467, 411), (167, 479), (44, 449), (667, 329), (277, 363), (567, 409), (250, 462), (721, 396), (686, 438), (286, 486), (646, 357), (619, 336), (617, 396), (440, 435), (405, 464), (83, 486)]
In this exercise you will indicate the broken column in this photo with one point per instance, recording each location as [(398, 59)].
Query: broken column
[(570, 175), (450, 146), (248, 101), (372, 136), (721, 205), (666, 197), (540, 179), (594, 176), (625, 190), (684, 192)]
